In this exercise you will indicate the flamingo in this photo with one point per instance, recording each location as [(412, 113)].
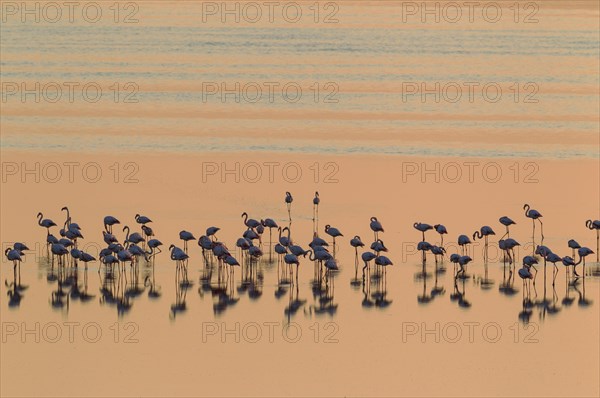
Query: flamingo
[(211, 231), (383, 261), (316, 201), (250, 234), (142, 219), (378, 246), (124, 256), (137, 252), (333, 232), (484, 232), (595, 225), (583, 253), (284, 241), (331, 265), (376, 227), (367, 257), (572, 243), (21, 247), (422, 227), (437, 251), (525, 275), (454, 260), (205, 243), (288, 202), (231, 262), (75, 254), (291, 259), (508, 245), (463, 240), (250, 223), (134, 238), (553, 258), (186, 236), (462, 262), (296, 250), (530, 262), (154, 244), (568, 261), (424, 247), (14, 256), (506, 221), (254, 251), (109, 238), (534, 215), (356, 243), (280, 250), (148, 232), (243, 244), (440, 229), (59, 250), (86, 258), (109, 221), (179, 256), (317, 241), (269, 223), (45, 222), (109, 259), (68, 219)]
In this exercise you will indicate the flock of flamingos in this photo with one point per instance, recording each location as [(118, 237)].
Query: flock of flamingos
[(143, 244)]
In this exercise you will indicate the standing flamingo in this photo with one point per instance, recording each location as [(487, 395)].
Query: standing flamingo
[(595, 225), (508, 246), (333, 232), (109, 221), (440, 229), (574, 245), (553, 258), (46, 223), (462, 262), (531, 261), (376, 227), (484, 232), (356, 243), (463, 240), (291, 259), (534, 215), (422, 227), (212, 232), (383, 261), (526, 275), (14, 256), (367, 257), (424, 247), (186, 236), (250, 223), (316, 201), (506, 221), (284, 241), (437, 251), (567, 262), (583, 253), (269, 223), (288, 202)]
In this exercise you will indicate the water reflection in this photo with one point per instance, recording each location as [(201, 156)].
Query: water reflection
[(15, 288)]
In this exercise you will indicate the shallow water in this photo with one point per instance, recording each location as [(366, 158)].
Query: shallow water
[(349, 82), (393, 334), (162, 144)]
